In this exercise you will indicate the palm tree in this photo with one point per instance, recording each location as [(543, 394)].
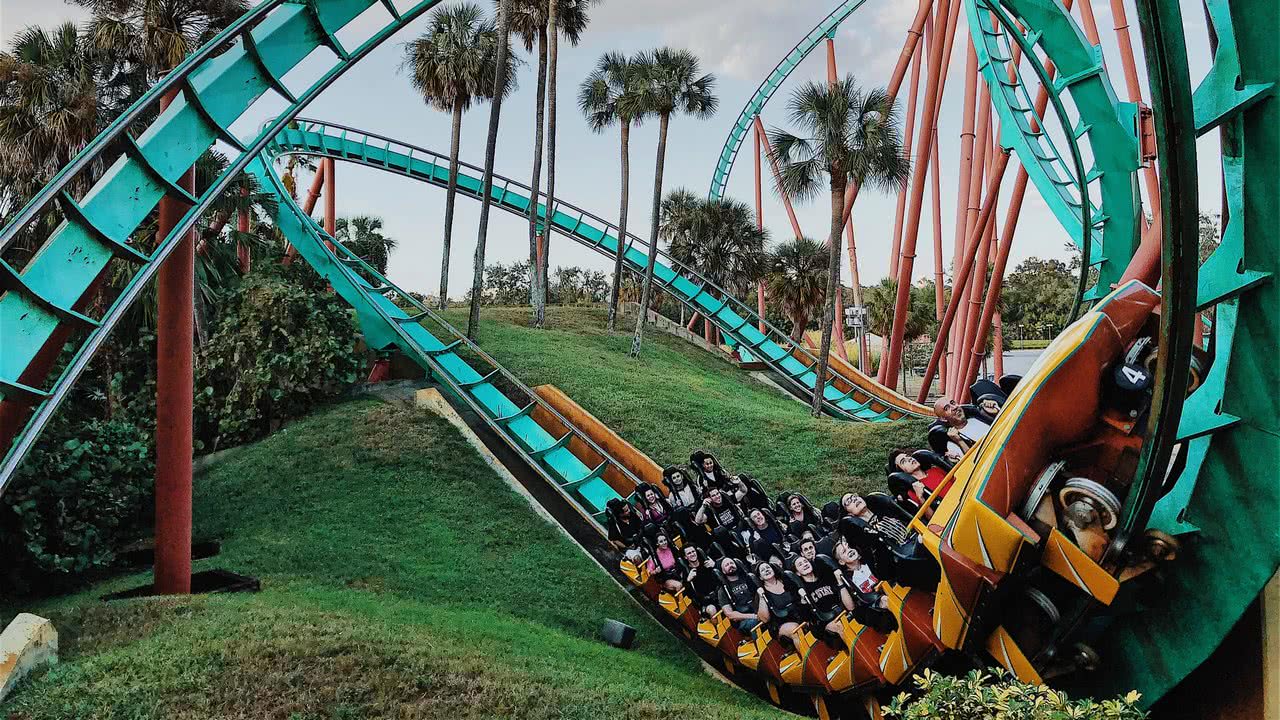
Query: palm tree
[(362, 235), (500, 81), (797, 278), (539, 24), (49, 110), (672, 83), (850, 136), (612, 94), (453, 65), (717, 238), (144, 38)]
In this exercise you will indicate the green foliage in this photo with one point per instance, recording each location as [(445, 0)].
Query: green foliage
[(509, 285), (284, 344), (797, 282), (922, 319), (363, 236), (575, 286), (983, 696), (80, 494), (1038, 295)]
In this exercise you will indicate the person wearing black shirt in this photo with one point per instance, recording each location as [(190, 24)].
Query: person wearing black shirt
[(625, 528), (701, 582), (707, 472), (800, 516), (765, 534), (725, 519), (684, 499), (826, 597), (738, 596), (779, 603), (892, 531)]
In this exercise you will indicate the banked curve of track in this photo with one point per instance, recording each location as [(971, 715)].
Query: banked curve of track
[(849, 394)]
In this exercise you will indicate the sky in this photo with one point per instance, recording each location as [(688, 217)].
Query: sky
[(739, 41)]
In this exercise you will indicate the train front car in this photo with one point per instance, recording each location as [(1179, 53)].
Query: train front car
[(1024, 536)]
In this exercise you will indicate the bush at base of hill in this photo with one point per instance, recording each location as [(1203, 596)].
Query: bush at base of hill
[(81, 494), (284, 344), (999, 696)]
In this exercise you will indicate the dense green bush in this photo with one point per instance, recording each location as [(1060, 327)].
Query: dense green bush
[(82, 493), (985, 696), (284, 343)]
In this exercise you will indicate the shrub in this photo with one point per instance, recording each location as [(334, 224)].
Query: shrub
[(83, 492), (284, 344), (984, 696)]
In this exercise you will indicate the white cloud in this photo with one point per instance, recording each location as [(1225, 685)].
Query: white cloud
[(15, 15)]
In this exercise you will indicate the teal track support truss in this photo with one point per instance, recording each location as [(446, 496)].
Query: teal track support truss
[(1224, 505), (862, 400), (770, 84), (1098, 128), (390, 317), (43, 302)]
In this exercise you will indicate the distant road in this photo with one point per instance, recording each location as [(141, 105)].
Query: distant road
[(1018, 362)]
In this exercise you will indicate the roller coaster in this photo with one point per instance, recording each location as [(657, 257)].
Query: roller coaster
[(1100, 540)]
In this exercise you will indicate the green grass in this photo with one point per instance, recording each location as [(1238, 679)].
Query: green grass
[(677, 398), (401, 579)]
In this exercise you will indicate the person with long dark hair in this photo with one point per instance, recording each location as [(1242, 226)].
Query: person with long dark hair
[(779, 603)]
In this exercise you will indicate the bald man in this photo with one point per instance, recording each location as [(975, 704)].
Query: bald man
[(958, 428)]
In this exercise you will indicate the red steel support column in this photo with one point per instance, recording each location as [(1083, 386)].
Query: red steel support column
[(330, 197), (975, 289), (989, 312), (912, 230), (967, 138), (313, 194), (977, 171), (175, 384), (308, 206), (964, 268), (939, 296), (907, 139), (1145, 263), (759, 226), (773, 164)]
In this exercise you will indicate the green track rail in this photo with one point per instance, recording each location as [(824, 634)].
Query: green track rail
[(390, 317), (43, 302), (770, 84), (1103, 128), (1225, 504), (735, 319)]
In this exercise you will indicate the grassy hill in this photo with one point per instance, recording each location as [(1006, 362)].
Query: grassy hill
[(401, 578), (677, 398)]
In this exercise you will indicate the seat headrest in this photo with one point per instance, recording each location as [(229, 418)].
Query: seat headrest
[(929, 458)]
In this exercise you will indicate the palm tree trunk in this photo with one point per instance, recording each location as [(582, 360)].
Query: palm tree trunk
[(799, 321), (486, 186), (536, 298), (615, 291), (833, 286), (553, 34), (449, 200), (647, 287)]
